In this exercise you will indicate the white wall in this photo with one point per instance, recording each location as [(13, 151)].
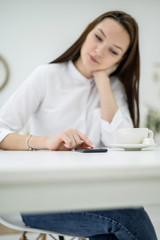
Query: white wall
[(35, 32)]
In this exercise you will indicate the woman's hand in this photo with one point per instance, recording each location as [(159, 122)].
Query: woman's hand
[(101, 77), (106, 72), (111, 70), (68, 140)]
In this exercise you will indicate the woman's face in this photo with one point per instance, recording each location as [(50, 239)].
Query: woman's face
[(104, 46)]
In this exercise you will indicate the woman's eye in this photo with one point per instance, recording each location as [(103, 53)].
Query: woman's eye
[(98, 37), (113, 52)]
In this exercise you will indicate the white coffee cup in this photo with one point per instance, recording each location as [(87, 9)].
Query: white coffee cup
[(133, 135)]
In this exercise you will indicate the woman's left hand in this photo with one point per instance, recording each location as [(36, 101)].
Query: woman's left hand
[(101, 77), (107, 71), (112, 69)]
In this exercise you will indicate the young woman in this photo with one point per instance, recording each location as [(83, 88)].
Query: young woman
[(80, 100)]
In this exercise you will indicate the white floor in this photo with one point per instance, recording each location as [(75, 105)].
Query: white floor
[(153, 212)]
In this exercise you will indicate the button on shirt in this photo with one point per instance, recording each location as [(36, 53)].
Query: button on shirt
[(56, 97)]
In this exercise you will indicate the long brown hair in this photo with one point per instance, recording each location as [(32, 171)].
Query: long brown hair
[(129, 69)]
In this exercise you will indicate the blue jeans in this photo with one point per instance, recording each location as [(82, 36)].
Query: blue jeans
[(122, 224)]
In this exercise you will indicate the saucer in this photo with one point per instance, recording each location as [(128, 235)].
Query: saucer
[(132, 147)]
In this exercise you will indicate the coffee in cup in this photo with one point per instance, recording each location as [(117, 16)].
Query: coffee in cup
[(134, 135)]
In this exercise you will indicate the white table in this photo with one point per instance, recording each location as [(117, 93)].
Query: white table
[(59, 181)]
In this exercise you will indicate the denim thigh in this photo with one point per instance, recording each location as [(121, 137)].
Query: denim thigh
[(122, 224)]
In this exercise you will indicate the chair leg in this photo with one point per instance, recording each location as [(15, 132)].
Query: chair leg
[(43, 236), (23, 237), (61, 237)]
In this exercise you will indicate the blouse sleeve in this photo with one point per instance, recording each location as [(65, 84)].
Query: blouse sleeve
[(121, 119), (22, 104)]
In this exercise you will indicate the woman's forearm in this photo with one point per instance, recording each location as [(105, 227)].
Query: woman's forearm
[(64, 141), (107, 101), (15, 141)]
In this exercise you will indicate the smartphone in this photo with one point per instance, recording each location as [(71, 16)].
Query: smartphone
[(91, 150)]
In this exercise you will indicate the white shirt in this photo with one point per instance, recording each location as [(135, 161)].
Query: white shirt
[(56, 97)]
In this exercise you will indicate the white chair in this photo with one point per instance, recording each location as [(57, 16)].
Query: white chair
[(9, 221)]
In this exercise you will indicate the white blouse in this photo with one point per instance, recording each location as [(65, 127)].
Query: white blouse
[(56, 97)]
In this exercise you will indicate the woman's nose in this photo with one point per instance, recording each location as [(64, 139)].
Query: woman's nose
[(99, 51)]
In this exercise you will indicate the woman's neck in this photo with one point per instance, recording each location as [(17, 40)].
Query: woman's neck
[(82, 69)]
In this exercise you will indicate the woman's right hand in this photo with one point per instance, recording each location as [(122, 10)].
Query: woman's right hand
[(68, 140)]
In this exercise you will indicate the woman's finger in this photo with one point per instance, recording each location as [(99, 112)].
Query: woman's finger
[(70, 133), (74, 136), (85, 139), (112, 69), (65, 139), (77, 138)]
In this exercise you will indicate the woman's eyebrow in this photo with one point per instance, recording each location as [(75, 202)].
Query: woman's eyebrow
[(118, 47), (102, 32)]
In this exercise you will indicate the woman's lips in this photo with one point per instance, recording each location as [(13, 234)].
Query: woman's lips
[(93, 59)]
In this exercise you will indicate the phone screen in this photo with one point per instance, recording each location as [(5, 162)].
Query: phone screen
[(91, 150)]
